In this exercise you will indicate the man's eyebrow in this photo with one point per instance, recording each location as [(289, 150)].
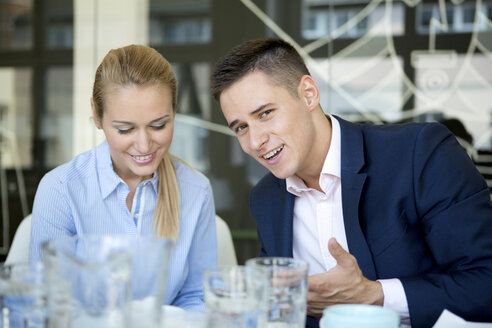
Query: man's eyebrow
[(261, 107)]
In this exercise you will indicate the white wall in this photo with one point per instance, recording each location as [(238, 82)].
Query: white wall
[(100, 25)]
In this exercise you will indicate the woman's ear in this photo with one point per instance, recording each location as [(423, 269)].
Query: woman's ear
[(309, 92), (95, 117)]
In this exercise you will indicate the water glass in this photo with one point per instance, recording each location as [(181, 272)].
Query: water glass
[(359, 316), (106, 280), (287, 290), (174, 317), (236, 292), (22, 296)]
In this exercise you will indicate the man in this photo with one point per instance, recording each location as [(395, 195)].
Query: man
[(393, 215)]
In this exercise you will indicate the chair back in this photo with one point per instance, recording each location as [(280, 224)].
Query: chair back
[(19, 250), (226, 254)]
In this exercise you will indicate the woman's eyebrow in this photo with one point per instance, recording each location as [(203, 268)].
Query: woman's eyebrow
[(159, 119), (121, 122), (153, 121)]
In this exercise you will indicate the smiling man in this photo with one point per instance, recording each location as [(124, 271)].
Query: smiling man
[(392, 215)]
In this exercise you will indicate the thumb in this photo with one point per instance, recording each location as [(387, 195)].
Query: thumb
[(337, 251)]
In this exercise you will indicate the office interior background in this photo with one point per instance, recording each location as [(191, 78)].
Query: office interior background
[(381, 61)]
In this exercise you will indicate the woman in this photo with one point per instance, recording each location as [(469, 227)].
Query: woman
[(130, 184)]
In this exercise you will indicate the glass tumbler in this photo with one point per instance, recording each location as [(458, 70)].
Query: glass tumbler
[(22, 296), (286, 289), (237, 293), (180, 318), (106, 280)]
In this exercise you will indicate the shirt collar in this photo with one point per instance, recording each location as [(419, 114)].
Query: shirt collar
[(331, 165), (108, 179)]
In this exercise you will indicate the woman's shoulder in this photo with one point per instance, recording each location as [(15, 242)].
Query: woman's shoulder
[(189, 176), (79, 167)]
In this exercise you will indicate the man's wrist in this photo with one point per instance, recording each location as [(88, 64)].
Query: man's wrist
[(376, 295)]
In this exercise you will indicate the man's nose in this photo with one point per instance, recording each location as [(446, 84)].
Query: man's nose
[(258, 137)]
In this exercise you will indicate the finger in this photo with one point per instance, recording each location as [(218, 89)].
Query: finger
[(316, 282), (314, 313), (287, 278), (341, 256), (316, 310), (313, 297)]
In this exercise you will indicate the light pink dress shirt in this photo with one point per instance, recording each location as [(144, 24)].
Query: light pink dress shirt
[(318, 216)]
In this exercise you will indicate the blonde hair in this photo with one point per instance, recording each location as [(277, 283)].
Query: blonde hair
[(144, 66)]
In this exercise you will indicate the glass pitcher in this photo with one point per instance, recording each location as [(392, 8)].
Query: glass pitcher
[(106, 280)]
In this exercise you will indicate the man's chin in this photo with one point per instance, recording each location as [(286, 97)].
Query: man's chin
[(280, 174)]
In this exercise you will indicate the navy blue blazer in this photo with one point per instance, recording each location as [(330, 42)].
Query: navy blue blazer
[(415, 208)]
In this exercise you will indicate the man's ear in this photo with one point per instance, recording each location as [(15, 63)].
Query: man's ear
[(309, 92), (95, 117)]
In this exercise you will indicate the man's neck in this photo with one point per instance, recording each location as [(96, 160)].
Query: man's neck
[(320, 148)]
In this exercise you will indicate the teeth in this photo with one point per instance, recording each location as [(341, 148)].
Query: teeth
[(273, 153), (142, 158)]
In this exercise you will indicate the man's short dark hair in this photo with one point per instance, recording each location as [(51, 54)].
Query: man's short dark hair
[(277, 59)]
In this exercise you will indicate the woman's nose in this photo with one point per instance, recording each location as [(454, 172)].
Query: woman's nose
[(143, 143)]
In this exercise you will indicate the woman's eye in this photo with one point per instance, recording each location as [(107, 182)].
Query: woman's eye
[(158, 127), (124, 131)]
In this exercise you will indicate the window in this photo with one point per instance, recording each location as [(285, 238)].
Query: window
[(179, 22), (16, 25), (337, 19), (15, 117)]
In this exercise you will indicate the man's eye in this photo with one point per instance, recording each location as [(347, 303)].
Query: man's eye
[(240, 128), (265, 113)]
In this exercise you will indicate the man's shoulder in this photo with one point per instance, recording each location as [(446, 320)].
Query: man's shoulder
[(268, 182), (403, 136), (270, 192), (403, 129)]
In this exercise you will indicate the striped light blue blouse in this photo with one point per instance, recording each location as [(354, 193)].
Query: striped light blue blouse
[(86, 196)]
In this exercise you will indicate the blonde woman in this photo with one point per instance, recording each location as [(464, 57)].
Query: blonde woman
[(130, 183)]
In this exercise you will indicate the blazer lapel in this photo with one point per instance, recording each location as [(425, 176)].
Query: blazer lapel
[(283, 222), (353, 179)]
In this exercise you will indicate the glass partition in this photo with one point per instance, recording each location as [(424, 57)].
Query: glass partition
[(179, 22), (15, 117), (57, 123), (383, 61), (16, 24)]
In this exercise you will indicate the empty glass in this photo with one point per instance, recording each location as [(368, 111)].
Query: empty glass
[(238, 293), (22, 296), (106, 281), (287, 290)]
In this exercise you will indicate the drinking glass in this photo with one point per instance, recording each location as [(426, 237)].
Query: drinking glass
[(359, 316), (236, 292), (286, 289), (22, 296), (174, 317), (106, 280)]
